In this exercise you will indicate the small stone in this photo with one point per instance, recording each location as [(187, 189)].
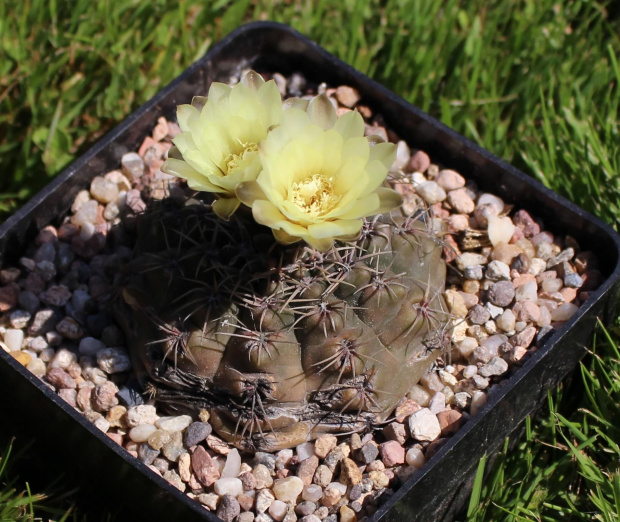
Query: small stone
[(232, 466), (307, 507), (104, 396), (324, 444), (415, 457), (196, 433), (22, 358), (379, 479), (501, 293), (13, 339), (478, 400), (132, 165), (527, 292), (431, 192), (460, 201), (419, 162), (28, 301), (228, 509), (69, 328), (456, 303), (141, 414), (173, 424), (312, 493), (479, 315), (395, 431), (278, 510), (130, 397), (90, 346), (204, 467), (350, 474), (219, 446), (62, 359), (103, 190), (565, 255), (113, 360), (263, 476), (424, 426), (500, 229), (564, 312), (59, 378), (573, 280), (246, 516), (323, 475), (19, 319), (288, 489), (141, 433), (347, 96), (449, 422), (266, 459), (228, 486), (147, 454), (392, 453), (469, 259), (497, 270), (209, 500), (495, 366), (264, 499), (307, 468), (437, 403), (305, 450), (331, 496), (101, 424)]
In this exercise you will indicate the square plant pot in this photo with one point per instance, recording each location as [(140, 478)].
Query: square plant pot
[(437, 490)]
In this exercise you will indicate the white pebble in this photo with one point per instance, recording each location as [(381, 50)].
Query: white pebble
[(103, 190), (141, 433), (338, 486), (537, 265), (288, 488), (415, 457), (63, 359), (47, 354), (228, 485), (500, 229), (431, 192), (14, 339), (19, 319), (283, 457), (491, 199), (141, 414), (102, 424), (37, 367), (87, 231), (277, 510), (86, 214), (506, 321), (527, 292), (82, 197), (424, 426), (478, 400), (173, 424), (233, 464), (497, 270), (305, 450), (470, 259), (312, 493), (467, 346), (402, 155), (563, 312)]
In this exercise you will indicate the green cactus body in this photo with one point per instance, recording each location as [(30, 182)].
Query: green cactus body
[(281, 343)]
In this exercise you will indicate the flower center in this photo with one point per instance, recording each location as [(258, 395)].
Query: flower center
[(315, 195), (242, 159)]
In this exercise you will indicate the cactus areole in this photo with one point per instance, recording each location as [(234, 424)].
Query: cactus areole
[(279, 340)]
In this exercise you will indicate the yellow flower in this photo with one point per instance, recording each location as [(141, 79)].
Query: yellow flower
[(320, 176), (218, 145)]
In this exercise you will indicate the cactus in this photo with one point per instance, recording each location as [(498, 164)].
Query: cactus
[(281, 343)]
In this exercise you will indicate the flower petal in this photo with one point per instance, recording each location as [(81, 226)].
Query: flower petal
[(184, 113), (383, 152), (389, 199), (225, 207), (218, 90), (195, 179), (249, 191), (360, 208), (253, 80), (321, 245), (350, 125), (285, 238), (198, 102), (335, 229), (322, 112)]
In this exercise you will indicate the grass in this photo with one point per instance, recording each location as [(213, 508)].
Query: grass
[(534, 81)]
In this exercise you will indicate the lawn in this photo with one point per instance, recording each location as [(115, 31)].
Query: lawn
[(535, 82)]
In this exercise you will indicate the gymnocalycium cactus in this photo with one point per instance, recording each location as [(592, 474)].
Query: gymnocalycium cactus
[(282, 339)]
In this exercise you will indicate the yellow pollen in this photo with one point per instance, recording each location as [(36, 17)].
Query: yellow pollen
[(315, 195), (234, 161)]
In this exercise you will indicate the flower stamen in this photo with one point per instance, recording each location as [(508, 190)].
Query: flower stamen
[(315, 195), (242, 159)]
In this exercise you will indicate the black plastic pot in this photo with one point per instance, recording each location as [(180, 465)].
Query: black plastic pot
[(435, 492)]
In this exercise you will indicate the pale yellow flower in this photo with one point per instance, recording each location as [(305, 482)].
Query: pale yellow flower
[(320, 176), (218, 146)]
